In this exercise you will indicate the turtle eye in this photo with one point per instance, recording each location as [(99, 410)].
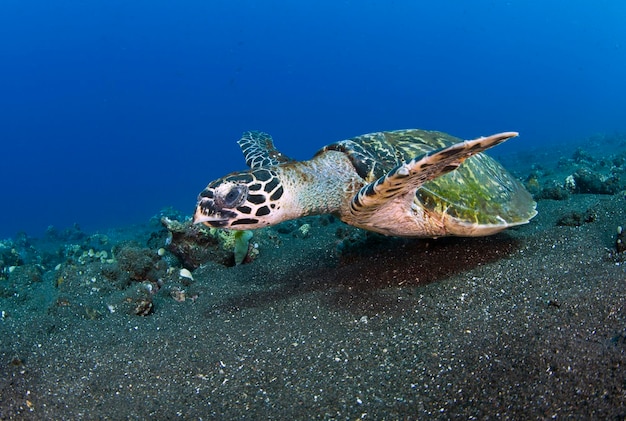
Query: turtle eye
[(234, 197)]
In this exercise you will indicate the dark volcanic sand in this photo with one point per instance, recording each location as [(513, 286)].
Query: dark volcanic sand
[(527, 324)]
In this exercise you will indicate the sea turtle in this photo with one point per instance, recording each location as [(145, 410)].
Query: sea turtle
[(409, 183)]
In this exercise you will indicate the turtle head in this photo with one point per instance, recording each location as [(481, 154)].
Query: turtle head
[(241, 201)]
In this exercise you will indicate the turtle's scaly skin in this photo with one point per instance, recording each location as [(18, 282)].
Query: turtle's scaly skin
[(403, 183), (269, 195), (259, 150)]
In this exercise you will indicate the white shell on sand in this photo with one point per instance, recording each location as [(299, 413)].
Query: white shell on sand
[(184, 273)]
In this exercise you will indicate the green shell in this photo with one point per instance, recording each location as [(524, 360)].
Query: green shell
[(480, 191)]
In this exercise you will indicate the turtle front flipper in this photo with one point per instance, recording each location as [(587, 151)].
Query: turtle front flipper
[(259, 150), (388, 206)]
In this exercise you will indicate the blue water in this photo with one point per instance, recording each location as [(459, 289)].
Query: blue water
[(111, 110)]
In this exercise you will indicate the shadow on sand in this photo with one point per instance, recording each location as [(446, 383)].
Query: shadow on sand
[(373, 276)]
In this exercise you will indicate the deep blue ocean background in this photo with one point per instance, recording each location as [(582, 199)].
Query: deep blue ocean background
[(111, 110)]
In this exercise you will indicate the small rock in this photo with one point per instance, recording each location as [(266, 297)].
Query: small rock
[(620, 240)]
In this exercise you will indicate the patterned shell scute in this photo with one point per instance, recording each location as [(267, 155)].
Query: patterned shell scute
[(374, 155), (480, 191)]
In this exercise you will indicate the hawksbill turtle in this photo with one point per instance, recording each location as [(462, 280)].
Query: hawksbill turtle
[(408, 183)]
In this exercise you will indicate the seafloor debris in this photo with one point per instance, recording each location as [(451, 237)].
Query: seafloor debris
[(241, 245), (192, 244), (143, 307), (186, 274), (620, 240), (140, 263), (583, 172), (553, 190), (178, 294), (195, 244), (576, 219), (593, 182)]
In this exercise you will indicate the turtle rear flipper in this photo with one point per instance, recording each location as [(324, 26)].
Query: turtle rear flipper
[(259, 150), (387, 204)]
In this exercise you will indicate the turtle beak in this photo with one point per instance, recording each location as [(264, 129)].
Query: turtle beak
[(209, 214)]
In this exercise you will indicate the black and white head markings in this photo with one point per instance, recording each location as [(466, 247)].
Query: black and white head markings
[(242, 200)]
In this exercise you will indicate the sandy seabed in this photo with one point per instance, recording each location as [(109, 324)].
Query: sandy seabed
[(526, 324)]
